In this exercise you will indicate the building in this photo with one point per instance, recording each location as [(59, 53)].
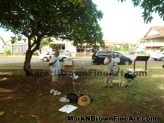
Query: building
[(153, 39), (74, 50), (2, 45), (110, 44), (19, 47), (61, 45)]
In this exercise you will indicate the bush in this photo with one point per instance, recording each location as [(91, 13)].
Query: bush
[(7, 52)]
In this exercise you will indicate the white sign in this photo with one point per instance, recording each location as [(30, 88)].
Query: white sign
[(68, 108)]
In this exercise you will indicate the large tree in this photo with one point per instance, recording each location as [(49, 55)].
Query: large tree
[(75, 20), (149, 7)]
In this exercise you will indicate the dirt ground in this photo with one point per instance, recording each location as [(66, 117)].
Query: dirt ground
[(26, 99)]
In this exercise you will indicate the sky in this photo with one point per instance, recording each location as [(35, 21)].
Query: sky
[(121, 21), (6, 35)]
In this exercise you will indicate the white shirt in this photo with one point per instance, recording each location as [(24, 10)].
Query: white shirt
[(55, 68), (110, 64)]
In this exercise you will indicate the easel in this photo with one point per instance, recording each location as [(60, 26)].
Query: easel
[(69, 67), (138, 58), (141, 58), (117, 60)]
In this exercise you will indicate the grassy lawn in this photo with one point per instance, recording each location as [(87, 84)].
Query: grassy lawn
[(27, 99)]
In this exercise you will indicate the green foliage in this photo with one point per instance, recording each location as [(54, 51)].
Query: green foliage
[(74, 20), (125, 47), (45, 42), (114, 48), (120, 48), (7, 52), (132, 47), (15, 39), (149, 7), (54, 46)]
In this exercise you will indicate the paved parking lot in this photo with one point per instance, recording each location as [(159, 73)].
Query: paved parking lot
[(21, 59)]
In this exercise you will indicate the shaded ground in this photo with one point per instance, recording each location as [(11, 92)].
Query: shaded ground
[(27, 99)]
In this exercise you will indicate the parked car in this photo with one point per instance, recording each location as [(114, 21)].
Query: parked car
[(66, 52), (132, 52), (158, 56), (99, 56), (46, 56)]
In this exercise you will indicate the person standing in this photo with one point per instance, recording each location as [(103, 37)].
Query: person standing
[(54, 64), (109, 72)]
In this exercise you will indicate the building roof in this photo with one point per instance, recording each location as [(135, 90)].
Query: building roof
[(2, 40), (159, 34)]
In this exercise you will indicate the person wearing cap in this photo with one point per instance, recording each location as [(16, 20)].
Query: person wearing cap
[(109, 73), (54, 64)]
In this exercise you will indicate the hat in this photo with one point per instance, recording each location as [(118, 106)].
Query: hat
[(84, 100), (72, 97)]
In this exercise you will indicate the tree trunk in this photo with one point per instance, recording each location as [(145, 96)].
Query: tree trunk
[(32, 47), (27, 63)]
